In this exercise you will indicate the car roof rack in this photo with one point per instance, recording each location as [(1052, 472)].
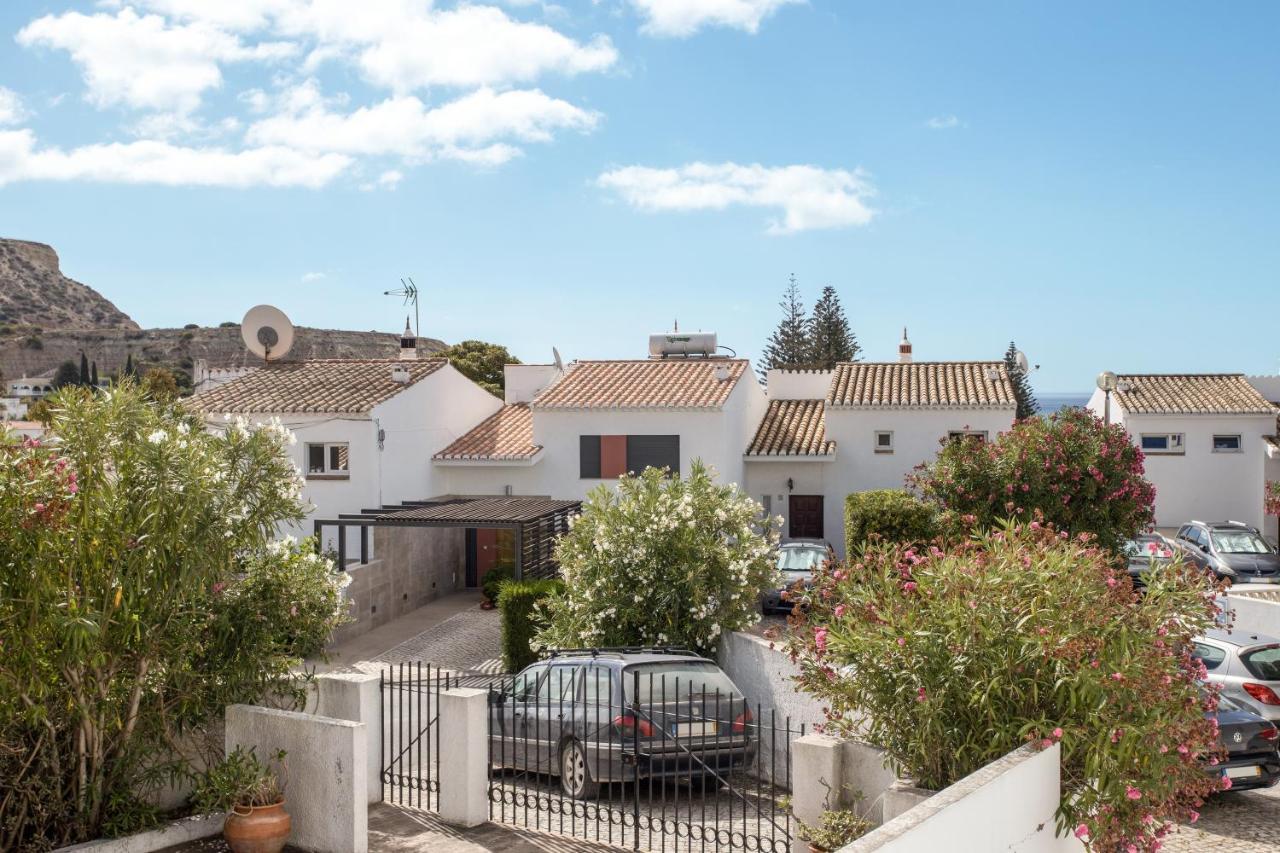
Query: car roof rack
[(620, 650)]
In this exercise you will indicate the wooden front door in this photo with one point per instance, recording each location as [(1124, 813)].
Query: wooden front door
[(805, 517)]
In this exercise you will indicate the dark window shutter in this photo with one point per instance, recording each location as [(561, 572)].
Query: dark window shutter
[(589, 457), (653, 451)]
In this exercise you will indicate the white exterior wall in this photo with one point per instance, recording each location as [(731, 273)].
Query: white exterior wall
[(798, 384), (1199, 483), (522, 382), (769, 479)]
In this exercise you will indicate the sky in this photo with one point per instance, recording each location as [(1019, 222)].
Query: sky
[(1098, 182)]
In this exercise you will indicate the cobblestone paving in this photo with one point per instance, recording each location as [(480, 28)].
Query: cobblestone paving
[(1244, 822), (467, 641)]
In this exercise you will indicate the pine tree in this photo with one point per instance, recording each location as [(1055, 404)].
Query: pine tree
[(1027, 405), (84, 369), (789, 345), (831, 339)]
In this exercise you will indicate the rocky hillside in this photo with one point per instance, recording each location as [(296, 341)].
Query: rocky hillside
[(46, 319), (34, 292)]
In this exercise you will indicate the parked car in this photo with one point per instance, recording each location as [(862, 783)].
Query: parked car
[(797, 562), (1229, 549), (1145, 551), (600, 716), (1253, 760), (1247, 665)]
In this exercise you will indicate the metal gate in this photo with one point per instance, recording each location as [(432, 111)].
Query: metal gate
[(664, 763), (411, 733)]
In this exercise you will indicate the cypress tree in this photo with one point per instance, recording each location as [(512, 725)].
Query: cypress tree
[(789, 345), (84, 369), (93, 373), (830, 337), (129, 369), (1027, 405)]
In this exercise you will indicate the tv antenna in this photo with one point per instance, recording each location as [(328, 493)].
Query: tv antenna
[(409, 291)]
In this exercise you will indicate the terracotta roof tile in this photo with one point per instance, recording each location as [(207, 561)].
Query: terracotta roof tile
[(316, 386), (1190, 394), (792, 428), (507, 434), (648, 384), (927, 384)]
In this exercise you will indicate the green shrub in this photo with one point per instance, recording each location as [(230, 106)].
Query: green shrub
[(493, 581), (240, 781), (522, 619), (950, 659), (892, 515)]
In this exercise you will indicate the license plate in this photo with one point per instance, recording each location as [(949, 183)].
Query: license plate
[(694, 729), (1244, 772), (1261, 580)]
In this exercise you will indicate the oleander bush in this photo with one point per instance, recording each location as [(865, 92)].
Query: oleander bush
[(887, 515), (519, 604), (1070, 470), (662, 561), (950, 659), (141, 592)]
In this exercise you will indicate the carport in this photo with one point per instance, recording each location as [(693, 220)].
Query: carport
[(535, 523)]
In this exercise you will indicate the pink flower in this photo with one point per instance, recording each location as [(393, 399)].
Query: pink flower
[(920, 694), (1057, 733), (840, 608), (902, 641), (820, 639), (39, 507), (218, 587), (1226, 783), (1082, 832), (1182, 749), (1132, 793), (909, 586), (1115, 676), (1194, 816), (72, 487)]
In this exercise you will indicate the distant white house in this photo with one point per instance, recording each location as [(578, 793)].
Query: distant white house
[(204, 377), (366, 428), (863, 426), (1206, 437)]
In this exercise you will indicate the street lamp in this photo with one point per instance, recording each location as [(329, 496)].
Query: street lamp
[(1107, 382)]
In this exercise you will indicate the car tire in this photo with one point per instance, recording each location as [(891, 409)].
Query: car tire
[(575, 776)]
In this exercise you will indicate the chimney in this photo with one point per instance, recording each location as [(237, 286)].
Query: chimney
[(408, 343), (904, 348)]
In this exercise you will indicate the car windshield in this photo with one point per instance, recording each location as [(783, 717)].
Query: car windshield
[(1146, 548), (1263, 663), (800, 559), (677, 681), (1239, 542)]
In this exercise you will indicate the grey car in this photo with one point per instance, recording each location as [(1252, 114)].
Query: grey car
[(1230, 549), (1247, 665), (1145, 552), (594, 717), (796, 564), (1252, 760)]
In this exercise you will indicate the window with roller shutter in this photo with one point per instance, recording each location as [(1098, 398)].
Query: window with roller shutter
[(607, 457)]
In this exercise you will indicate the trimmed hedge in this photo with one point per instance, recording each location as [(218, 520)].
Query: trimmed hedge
[(518, 601), (894, 515)]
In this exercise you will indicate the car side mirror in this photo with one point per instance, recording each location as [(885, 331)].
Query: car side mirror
[(1204, 548)]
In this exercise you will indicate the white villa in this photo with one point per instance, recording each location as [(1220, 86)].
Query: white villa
[(1208, 438)]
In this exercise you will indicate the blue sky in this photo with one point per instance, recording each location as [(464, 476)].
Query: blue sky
[(1096, 181)]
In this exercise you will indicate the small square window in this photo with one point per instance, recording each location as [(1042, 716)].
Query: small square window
[(328, 460), (1226, 444), (1162, 442), (884, 441)]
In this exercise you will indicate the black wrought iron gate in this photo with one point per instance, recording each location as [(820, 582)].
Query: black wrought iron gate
[(411, 733)]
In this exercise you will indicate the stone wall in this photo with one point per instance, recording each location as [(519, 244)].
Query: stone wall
[(414, 565)]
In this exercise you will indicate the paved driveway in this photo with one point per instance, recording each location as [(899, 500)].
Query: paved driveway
[(1244, 822)]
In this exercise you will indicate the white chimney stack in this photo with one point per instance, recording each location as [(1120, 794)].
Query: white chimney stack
[(408, 343), (904, 348)]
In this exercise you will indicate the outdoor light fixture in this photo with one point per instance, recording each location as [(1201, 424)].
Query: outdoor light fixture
[(1107, 382), (791, 484)]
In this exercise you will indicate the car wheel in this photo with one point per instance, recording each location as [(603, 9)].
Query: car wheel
[(575, 776)]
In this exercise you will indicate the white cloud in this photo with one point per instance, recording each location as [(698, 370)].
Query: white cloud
[(12, 110), (465, 128), (946, 122), (152, 162), (308, 277), (807, 196), (681, 18), (144, 61)]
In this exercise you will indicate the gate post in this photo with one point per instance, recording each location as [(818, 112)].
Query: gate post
[(356, 696), (464, 756)]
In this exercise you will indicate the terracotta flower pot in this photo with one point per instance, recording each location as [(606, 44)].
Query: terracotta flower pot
[(257, 829)]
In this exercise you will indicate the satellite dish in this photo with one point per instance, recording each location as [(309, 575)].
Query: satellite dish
[(555, 357), (1020, 359), (267, 332)]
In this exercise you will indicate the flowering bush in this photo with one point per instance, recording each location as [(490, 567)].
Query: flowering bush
[(1271, 497), (1070, 470), (663, 561), (140, 593), (950, 660)]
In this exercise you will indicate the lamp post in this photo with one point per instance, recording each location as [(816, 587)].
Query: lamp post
[(1107, 382)]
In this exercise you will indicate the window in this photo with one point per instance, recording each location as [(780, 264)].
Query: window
[(1239, 542), (1212, 656), (559, 686), (766, 504), (524, 687), (598, 686), (1226, 444), (1162, 442), (884, 441), (975, 434), (607, 457), (327, 460), (1263, 663)]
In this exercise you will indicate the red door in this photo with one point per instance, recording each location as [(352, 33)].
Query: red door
[(805, 517)]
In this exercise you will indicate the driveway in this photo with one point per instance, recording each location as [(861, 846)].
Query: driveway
[(1244, 822)]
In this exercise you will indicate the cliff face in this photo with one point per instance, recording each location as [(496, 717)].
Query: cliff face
[(34, 292), (46, 319)]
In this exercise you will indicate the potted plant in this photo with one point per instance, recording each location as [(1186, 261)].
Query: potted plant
[(835, 829), (252, 795), (492, 582)]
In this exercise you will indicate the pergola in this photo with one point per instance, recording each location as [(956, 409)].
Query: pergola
[(535, 522)]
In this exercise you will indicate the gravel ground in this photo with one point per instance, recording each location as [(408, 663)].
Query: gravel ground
[(1244, 822)]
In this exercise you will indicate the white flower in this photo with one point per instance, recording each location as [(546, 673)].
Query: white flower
[(158, 436)]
